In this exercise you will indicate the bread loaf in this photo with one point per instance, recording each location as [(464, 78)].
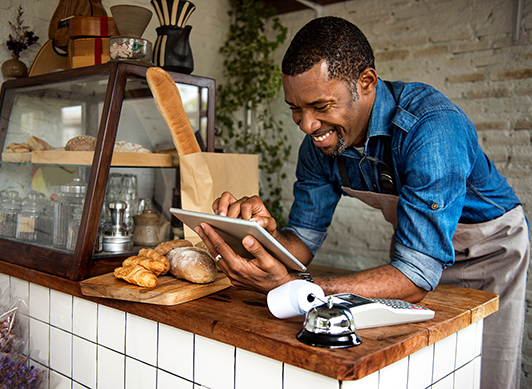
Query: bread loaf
[(192, 264), (165, 247), (81, 143), (37, 144), (18, 148), (169, 103), (137, 275)]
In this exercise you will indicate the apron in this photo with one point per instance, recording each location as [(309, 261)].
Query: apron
[(491, 256)]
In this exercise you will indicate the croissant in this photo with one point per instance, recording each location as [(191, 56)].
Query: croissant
[(152, 254), (152, 265), (137, 275)]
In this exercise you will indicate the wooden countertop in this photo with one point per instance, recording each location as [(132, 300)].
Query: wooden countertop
[(241, 318)]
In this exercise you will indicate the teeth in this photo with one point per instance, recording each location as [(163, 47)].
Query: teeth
[(322, 137)]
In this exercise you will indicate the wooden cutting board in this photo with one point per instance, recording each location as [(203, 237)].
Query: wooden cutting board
[(169, 290)]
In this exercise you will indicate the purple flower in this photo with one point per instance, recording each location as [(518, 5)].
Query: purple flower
[(16, 375)]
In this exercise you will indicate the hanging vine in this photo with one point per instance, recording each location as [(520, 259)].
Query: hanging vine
[(252, 80)]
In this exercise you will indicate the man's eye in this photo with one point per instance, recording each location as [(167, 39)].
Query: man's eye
[(321, 108), (294, 108)]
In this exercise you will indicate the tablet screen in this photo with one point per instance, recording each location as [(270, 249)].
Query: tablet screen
[(232, 231)]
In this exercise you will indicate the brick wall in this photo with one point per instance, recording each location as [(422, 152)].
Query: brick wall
[(466, 49)]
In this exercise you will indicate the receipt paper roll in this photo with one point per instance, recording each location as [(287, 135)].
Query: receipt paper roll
[(295, 298)]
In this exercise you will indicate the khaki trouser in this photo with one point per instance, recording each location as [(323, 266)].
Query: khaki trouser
[(491, 256), (494, 257)]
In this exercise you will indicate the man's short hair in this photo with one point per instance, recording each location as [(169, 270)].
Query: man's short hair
[(336, 40)]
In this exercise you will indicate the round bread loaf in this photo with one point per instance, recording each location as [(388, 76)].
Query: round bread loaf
[(192, 264), (81, 143)]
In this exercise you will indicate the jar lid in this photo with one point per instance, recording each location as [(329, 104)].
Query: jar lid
[(76, 186)]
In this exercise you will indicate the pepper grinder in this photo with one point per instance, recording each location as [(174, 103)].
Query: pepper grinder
[(116, 237)]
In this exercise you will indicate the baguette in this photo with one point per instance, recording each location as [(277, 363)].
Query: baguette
[(169, 103)]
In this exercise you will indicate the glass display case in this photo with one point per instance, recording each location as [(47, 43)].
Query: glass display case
[(72, 213)]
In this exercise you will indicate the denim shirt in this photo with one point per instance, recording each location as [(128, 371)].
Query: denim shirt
[(440, 172)]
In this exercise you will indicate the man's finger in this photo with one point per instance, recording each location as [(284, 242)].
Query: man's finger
[(222, 203)]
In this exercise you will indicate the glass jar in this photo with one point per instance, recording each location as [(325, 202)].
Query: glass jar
[(129, 195), (9, 211), (70, 196), (73, 228), (31, 220), (112, 193)]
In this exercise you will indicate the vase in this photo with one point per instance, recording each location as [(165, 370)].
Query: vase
[(172, 49), (173, 12), (14, 68)]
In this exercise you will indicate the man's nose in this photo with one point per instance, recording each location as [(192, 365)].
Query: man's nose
[(309, 123)]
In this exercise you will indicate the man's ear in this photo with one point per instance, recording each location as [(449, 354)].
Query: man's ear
[(368, 80)]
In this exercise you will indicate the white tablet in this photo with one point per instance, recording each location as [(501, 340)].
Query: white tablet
[(232, 231)]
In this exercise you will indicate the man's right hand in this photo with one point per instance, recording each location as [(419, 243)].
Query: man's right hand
[(247, 208)]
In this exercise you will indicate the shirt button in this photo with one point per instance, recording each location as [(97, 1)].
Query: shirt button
[(434, 206)]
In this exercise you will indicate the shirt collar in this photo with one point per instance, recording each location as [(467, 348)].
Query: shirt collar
[(380, 122)]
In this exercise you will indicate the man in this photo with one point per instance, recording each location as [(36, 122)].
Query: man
[(407, 150)]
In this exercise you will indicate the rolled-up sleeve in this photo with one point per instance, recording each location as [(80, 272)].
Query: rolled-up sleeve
[(313, 239), (423, 270)]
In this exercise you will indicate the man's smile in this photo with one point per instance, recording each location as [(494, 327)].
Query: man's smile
[(321, 138)]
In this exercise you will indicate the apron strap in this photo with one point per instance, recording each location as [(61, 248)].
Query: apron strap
[(343, 171), (386, 176)]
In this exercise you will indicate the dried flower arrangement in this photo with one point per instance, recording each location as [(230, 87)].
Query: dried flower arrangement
[(22, 37), (13, 370)]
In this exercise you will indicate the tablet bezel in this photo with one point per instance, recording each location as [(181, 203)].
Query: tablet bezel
[(232, 231)]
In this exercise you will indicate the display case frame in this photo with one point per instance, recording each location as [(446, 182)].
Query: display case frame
[(82, 263)]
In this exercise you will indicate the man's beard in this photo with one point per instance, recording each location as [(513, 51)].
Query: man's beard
[(338, 149)]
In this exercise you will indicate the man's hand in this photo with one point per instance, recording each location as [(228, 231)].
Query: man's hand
[(262, 273), (247, 208)]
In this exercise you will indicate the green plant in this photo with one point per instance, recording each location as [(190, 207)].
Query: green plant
[(242, 103)]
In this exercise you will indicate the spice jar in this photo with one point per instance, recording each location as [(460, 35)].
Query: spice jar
[(31, 220), (9, 210), (71, 195)]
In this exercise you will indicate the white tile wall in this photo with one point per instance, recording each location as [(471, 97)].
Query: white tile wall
[(176, 351), (141, 339), (84, 361), (110, 367), (444, 357), (61, 310), (85, 319), (80, 344), (40, 303), (214, 363), (112, 328), (258, 372)]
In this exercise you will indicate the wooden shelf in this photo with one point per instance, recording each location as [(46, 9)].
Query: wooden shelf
[(58, 157)]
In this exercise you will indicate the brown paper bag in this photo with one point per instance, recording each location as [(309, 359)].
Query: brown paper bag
[(205, 176)]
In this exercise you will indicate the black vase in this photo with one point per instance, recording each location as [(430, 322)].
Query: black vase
[(172, 49)]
